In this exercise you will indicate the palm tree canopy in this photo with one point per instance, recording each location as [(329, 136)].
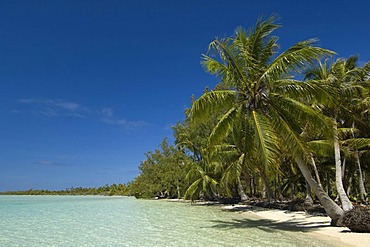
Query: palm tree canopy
[(261, 90)]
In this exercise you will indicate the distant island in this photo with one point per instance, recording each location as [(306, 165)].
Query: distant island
[(106, 190)]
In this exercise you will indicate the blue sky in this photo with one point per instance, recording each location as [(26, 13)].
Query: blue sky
[(88, 87)]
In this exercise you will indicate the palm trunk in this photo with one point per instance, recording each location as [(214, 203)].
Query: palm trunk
[(243, 196), (346, 203), (361, 184), (291, 185), (331, 208), (253, 186), (343, 168), (308, 202), (270, 195), (316, 171), (349, 187), (178, 192), (328, 190)]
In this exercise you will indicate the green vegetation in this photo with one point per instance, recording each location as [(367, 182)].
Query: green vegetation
[(162, 174), (292, 125)]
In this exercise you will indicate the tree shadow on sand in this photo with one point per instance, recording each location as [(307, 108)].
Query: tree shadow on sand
[(295, 225)]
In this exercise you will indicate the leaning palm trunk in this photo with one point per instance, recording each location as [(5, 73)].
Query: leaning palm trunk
[(316, 171), (331, 208), (360, 178), (346, 203)]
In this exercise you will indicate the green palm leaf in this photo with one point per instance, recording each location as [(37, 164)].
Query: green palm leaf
[(295, 58), (265, 138), (322, 148), (289, 137), (302, 112), (223, 127), (210, 102), (357, 143), (192, 189), (307, 91)]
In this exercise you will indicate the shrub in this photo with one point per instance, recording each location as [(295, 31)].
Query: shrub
[(357, 219)]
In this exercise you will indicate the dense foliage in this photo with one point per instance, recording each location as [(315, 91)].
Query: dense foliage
[(162, 174)]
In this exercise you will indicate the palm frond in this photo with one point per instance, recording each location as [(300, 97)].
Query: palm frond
[(347, 132), (296, 58), (232, 171), (289, 137), (211, 102), (223, 127), (318, 71), (366, 71), (357, 143), (193, 189), (266, 139), (262, 30), (302, 112), (310, 91), (213, 66), (268, 51), (209, 181), (234, 68), (322, 147)]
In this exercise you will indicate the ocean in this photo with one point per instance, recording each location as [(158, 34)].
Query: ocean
[(126, 221)]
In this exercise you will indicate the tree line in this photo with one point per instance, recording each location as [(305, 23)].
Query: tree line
[(290, 124), (106, 190)]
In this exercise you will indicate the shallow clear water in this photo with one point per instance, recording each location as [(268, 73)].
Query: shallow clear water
[(125, 221)]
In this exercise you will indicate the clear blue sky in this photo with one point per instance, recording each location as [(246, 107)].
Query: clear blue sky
[(88, 87)]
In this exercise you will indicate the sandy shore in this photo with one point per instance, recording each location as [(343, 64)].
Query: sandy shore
[(317, 226)]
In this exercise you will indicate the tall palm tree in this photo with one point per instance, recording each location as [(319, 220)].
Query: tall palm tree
[(346, 77), (359, 106), (263, 91)]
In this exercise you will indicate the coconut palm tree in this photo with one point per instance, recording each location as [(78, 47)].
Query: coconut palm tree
[(346, 77), (359, 106), (203, 184), (263, 91)]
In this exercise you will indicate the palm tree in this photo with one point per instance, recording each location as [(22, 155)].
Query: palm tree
[(203, 183), (345, 76), (359, 107), (230, 163), (263, 91)]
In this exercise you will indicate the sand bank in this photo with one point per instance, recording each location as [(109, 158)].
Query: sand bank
[(317, 226)]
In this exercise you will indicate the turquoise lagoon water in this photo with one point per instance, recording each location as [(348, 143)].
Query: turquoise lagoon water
[(125, 221)]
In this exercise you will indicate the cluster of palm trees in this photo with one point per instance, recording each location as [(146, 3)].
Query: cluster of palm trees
[(272, 112)]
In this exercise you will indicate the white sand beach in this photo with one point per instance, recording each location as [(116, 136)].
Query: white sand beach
[(317, 226)]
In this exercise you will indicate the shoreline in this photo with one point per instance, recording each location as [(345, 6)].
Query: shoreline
[(294, 221), (299, 221)]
